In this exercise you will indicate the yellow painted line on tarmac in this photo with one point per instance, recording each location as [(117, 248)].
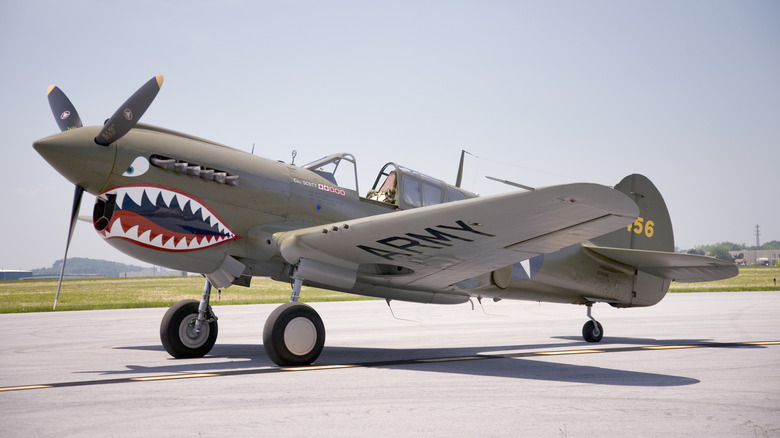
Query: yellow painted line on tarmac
[(173, 377), (318, 367), (22, 388), (402, 362), (452, 359), (669, 347), (562, 352)]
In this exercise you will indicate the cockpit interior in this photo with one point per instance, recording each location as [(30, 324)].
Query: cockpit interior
[(395, 185)]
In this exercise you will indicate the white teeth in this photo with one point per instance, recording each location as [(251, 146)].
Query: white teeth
[(116, 228), (167, 197), (145, 237), (157, 241), (136, 194), (132, 232), (169, 244), (183, 244)]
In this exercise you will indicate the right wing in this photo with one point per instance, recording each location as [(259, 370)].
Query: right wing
[(435, 247)]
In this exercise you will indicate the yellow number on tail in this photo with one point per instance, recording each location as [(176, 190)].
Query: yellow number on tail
[(640, 226)]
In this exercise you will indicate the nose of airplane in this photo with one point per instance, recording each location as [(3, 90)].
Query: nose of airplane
[(76, 156)]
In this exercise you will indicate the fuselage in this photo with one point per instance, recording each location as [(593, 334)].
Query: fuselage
[(185, 203)]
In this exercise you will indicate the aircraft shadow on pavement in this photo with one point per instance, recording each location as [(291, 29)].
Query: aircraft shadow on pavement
[(244, 358)]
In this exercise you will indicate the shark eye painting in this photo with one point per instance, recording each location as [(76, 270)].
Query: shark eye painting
[(139, 167)]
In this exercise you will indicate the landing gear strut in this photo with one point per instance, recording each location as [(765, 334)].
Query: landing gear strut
[(294, 333), (592, 330), (189, 328)]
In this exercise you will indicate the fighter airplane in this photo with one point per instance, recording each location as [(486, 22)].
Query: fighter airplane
[(185, 203)]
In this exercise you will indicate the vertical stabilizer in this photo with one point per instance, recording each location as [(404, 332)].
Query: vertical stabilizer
[(653, 229)]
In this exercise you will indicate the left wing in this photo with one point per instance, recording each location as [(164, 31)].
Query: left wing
[(432, 248)]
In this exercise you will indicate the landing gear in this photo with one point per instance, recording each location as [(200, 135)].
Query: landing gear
[(189, 328), (592, 330), (294, 333)]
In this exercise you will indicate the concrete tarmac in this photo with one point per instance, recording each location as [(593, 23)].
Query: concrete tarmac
[(704, 364)]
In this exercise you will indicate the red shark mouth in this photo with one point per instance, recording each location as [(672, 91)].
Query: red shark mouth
[(159, 218)]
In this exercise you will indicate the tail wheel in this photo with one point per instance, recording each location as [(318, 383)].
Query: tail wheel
[(293, 335), (592, 332), (178, 334)]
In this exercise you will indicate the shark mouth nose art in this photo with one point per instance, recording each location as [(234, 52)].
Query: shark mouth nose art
[(159, 218)]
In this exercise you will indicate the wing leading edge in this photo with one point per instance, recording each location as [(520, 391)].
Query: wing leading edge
[(433, 248)]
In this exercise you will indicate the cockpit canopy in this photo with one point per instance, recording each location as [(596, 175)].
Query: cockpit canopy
[(339, 169), (395, 185), (408, 188)]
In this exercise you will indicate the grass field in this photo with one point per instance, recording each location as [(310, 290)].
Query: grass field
[(749, 278), (121, 293), (127, 293)]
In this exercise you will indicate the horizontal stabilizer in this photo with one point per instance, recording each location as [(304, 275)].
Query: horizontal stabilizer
[(684, 268)]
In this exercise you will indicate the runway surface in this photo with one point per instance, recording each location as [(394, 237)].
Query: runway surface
[(703, 364)]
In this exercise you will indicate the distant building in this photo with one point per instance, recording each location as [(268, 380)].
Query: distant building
[(13, 274), (64, 277), (756, 257)]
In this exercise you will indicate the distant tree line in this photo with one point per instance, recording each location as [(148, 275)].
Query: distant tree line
[(85, 266), (721, 250)]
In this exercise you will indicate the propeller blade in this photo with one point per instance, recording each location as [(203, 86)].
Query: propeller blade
[(125, 118), (73, 217), (64, 112)]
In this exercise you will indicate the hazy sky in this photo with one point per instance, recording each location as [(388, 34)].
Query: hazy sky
[(684, 92)]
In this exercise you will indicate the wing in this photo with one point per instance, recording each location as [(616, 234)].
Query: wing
[(685, 268), (432, 248)]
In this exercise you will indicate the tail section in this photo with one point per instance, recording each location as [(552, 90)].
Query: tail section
[(648, 246), (650, 233), (653, 229)]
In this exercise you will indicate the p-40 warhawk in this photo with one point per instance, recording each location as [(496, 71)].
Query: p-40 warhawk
[(178, 201)]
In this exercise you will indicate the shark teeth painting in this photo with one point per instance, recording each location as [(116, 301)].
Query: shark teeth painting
[(158, 217)]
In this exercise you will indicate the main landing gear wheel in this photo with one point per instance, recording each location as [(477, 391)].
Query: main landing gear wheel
[(178, 334), (592, 331), (293, 335)]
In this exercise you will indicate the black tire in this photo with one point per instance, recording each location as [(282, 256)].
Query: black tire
[(293, 335), (592, 332), (177, 335)]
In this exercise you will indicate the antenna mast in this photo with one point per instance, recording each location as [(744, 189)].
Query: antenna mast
[(758, 233), (459, 179)]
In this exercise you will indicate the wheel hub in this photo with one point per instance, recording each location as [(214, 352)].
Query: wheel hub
[(189, 336), (300, 336)]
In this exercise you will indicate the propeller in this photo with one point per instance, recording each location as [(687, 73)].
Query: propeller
[(125, 118), (73, 217), (64, 112), (119, 124)]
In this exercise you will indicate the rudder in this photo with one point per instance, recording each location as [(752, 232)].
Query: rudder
[(653, 229)]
